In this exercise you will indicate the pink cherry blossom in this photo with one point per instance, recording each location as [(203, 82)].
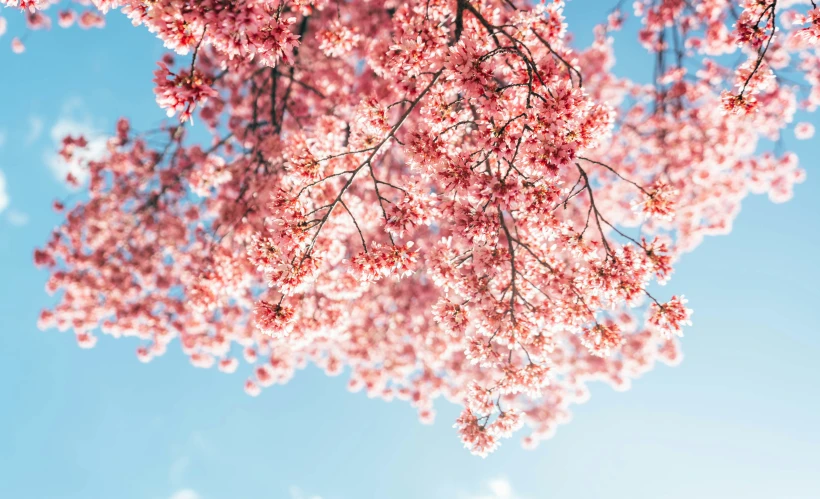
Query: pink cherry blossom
[(181, 92), (804, 131), (17, 46), (437, 199), (66, 18)]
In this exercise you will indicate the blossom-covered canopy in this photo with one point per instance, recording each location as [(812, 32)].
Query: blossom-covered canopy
[(437, 197)]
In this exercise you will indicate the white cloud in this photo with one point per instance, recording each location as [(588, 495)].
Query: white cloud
[(497, 488), (4, 197), (75, 121), (185, 494), (297, 493), (14, 217), (17, 218), (178, 468), (201, 444), (2, 138), (35, 129)]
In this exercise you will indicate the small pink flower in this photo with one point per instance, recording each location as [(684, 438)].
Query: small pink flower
[(17, 46), (144, 354), (86, 340), (91, 19), (66, 18), (252, 388), (228, 365), (804, 131), (250, 355)]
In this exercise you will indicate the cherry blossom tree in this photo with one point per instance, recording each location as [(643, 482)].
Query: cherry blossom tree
[(439, 198)]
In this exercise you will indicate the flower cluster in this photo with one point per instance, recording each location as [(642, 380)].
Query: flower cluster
[(180, 93), (670, 317), (602, 339), (383, 261), (273, 320)]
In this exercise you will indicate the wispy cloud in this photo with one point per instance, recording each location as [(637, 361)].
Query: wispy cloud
[(178, 468), (75, 120), (13, 216), (4, 197), (2, 138), (297, 493), (35, 129), (185, 494), (497, 488), (17, 218)]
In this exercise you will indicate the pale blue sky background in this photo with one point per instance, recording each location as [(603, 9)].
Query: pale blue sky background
[(739, 417)]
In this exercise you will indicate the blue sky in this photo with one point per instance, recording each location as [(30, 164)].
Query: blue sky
[(737, 419)]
